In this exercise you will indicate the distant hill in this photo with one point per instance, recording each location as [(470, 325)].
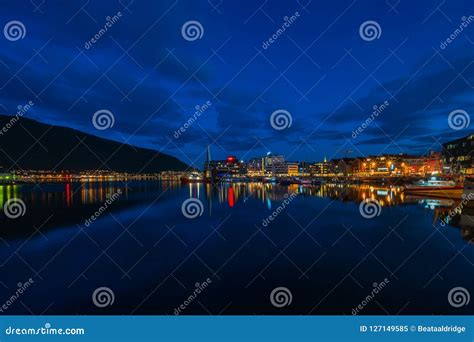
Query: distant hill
[(60, 148)]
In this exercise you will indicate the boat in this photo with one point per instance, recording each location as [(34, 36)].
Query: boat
[(193, 177), (271, 180), (234, 179), (305, 182), (434, 187), (469, 188)]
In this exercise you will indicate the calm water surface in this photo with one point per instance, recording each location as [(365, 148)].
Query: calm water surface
[(318, 246)]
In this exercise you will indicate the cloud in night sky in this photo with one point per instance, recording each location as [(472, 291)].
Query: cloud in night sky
[(319, 69)]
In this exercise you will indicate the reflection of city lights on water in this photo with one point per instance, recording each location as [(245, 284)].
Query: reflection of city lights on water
[(231, 197), (235, 195)]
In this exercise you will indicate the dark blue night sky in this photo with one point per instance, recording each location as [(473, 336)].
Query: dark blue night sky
[(320, 70)]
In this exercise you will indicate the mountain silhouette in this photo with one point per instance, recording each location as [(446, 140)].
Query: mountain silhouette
[(30, 145)]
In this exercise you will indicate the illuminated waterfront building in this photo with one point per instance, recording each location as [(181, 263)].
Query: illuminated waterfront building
[(434, 163), (413, 165), (270, 165), (293, 169), (305, 168), (275, 165), (457, 155), (398, 165), (321, 168), (422, 165), (230, 167), (383, 165), (343, 166), (256, 167)]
